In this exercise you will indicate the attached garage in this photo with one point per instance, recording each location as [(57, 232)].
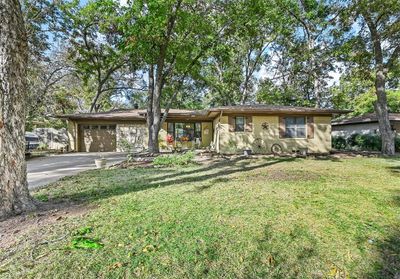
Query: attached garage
[(97, 138)]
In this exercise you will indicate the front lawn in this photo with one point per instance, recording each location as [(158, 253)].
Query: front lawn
[(244, 218)]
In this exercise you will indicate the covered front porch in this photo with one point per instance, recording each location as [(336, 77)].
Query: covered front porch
[(187, 134)]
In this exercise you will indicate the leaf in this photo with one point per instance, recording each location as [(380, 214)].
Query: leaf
[(86, 243)]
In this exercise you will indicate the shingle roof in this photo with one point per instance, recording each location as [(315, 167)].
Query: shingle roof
[(140, 114), (365, 118), (260, 108), (122, 114)]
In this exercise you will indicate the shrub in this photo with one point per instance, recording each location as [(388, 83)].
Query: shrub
[(361, 142), (368, 142), (339, 142), (125, 145), (175, 159), (351, 140)]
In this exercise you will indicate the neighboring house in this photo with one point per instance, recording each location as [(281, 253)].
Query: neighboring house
[(229, 129), (364, 124)]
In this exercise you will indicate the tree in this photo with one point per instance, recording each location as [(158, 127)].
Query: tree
[(230, 75), (359, 96), (301, 55), (92, 46), (171, 38), (14, 194), (374, 47)]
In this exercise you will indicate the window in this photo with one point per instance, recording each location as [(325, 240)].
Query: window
[(103, 127), (239, 124), (170, 128), (295, 127), (197, 130), (184, 131)]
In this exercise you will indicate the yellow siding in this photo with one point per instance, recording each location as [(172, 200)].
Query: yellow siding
[(206, 134), (260, 140), (72, 135), (396, 126), (162, 136)]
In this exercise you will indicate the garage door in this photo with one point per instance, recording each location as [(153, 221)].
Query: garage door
[(97, 138)]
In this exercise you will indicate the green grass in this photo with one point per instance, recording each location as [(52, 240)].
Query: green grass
[(249, 218)]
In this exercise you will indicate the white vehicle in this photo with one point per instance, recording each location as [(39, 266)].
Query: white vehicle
[(31, 142)]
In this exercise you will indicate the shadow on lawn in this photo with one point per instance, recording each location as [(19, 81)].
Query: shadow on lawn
[(147, 178), (395, 170), (389, 251)]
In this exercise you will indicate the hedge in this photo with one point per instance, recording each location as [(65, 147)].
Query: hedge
[(362, 142)]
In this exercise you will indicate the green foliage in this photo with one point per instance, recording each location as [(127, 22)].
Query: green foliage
[(356, 94), (175, 159), (339, 142), (368, 142), (81, 241), (363, 142), (43, 198)]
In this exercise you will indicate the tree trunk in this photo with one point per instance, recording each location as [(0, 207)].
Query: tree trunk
[(152, 140), (381, 110), (14, 194)]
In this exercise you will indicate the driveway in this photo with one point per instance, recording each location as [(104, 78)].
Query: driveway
[(43, 170)]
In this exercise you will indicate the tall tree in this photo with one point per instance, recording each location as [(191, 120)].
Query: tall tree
[(14, 194), (171, 37), (373, 44), (230, 74), (301, 56), (92, 46)]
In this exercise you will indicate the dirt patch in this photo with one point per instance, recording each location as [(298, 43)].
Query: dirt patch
[(289, 175), (46, 214)]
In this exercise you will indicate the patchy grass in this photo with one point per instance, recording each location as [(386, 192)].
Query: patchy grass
[(174, 159), (246, 218)]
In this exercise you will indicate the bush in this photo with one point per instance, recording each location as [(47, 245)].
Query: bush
[(361, 142), (368, 142), (351, 140), (125, 145), (175, 159), (339, 142)]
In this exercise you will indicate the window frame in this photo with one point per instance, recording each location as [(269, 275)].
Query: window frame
[(171, 127), (297, 127), (235, 124)]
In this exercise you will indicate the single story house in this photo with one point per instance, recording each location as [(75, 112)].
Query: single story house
[(363, 124), (227, 129)]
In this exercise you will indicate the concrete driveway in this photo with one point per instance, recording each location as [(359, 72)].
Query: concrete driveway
[(43, 170)]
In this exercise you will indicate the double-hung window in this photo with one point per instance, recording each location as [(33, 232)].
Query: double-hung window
[(295, 127), (239, 123)]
